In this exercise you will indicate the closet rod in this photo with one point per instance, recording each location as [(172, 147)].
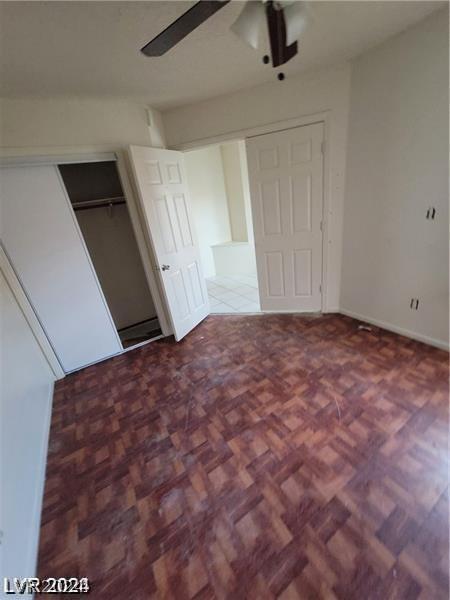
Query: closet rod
[(101, 203)]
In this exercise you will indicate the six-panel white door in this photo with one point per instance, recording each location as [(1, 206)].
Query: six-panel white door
[(285, 172), (164, 196)]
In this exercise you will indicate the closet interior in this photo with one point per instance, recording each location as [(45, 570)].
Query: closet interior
[(97, 197)]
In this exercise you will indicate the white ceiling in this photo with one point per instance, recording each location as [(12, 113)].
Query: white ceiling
[(92, 48)]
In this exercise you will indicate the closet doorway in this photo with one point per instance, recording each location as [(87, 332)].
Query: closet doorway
[(98, 200)]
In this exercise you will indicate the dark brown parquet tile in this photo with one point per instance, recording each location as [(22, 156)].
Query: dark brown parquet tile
[(262, 457)]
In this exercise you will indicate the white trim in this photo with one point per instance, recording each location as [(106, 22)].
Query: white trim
[(292, 312), (326, 211), (269, 312), (235, 314), (37, 509), (29, 314), (400, 330), (242, 134), (62, 159)]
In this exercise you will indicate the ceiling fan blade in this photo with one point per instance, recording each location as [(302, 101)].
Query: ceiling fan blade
[(247, 25), (179, 29), (298, 17)]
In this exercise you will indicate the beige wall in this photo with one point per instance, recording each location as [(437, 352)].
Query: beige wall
[(58, 126), (26, 386), (235, 191), (156, 129), (228, 116), (209, 202), (397, 168), (51, 125)]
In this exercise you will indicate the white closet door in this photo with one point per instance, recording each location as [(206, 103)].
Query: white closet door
[(41, 237), (285, 174)]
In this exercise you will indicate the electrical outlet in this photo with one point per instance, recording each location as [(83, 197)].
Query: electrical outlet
[(431, 213), (414, 304)]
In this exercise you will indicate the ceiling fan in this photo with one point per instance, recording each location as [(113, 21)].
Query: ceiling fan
[(285, 20)]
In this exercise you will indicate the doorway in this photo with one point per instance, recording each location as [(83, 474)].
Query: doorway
[(220, 197), (100, 207)]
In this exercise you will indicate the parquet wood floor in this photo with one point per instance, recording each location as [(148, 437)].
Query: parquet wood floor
[(262, 457)]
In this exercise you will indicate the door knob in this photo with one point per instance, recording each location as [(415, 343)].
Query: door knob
[(165, 267)]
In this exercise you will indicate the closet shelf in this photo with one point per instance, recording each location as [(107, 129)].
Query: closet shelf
[(99, 203)]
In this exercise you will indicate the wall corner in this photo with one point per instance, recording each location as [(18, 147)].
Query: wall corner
[(155, 125)]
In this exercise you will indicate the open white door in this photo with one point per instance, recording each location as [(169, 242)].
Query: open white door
[(285, 175), (164, 197)]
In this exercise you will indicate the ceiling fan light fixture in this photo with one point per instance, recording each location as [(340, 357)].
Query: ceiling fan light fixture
[(247, 25), (298, 17)]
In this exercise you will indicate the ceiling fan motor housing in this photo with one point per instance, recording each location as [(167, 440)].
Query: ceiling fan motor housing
[(285, 22)]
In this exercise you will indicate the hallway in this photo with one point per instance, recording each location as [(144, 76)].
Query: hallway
[(234, 294)]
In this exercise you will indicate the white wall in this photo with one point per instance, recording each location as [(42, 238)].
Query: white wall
[(209, 202), (26, 387), (156, 129), (43, 125), (302, 96), (235, 191), (76, 125), (234, 258), (397, 168)]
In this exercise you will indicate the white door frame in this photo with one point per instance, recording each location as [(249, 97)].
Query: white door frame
[(241, 134), (80, 156)]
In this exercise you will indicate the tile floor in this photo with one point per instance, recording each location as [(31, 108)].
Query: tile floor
[(233, 294)]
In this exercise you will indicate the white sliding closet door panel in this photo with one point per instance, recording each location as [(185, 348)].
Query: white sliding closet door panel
[(164, 196), (41, 237), (285, 173)]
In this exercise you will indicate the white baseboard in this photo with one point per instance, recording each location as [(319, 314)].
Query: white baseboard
[(290, 312), (443, 345), (38, 500)]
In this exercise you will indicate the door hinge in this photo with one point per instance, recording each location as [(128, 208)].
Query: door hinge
[(321, 226), (320, 288), (322, 147)]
